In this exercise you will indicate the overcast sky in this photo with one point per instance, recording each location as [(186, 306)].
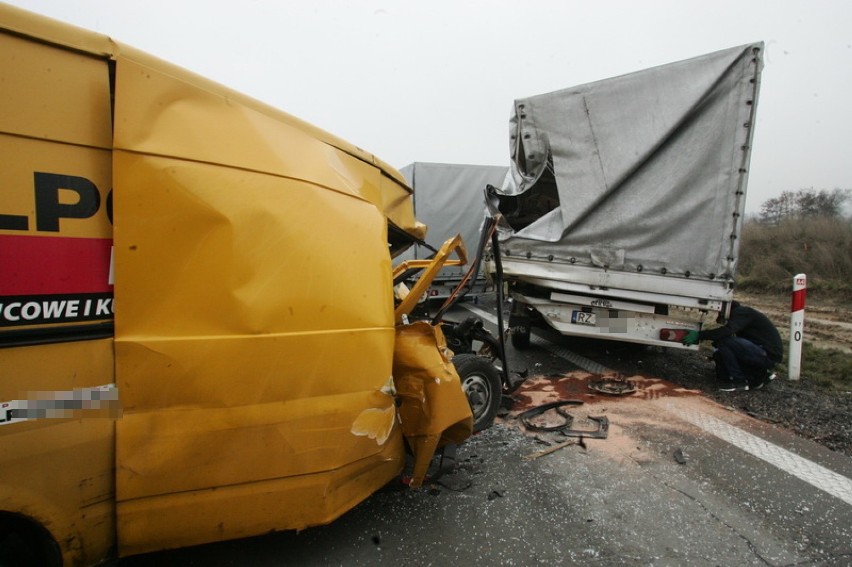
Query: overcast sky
[(434, 80)]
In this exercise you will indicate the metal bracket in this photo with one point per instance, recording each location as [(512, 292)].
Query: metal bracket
[(600, 433)]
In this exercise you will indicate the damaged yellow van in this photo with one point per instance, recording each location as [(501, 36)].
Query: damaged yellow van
[(197, 319)]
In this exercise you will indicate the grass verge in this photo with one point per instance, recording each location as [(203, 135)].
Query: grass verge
[(828, 368)]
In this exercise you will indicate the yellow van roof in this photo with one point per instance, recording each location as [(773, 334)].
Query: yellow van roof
[(42, 28)]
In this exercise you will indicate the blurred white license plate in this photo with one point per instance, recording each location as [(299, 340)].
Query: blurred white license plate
[(583, 318)]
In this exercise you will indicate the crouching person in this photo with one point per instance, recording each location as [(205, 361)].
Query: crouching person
[(745, 349)]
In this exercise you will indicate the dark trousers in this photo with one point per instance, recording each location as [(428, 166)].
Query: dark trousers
[(740, 360)]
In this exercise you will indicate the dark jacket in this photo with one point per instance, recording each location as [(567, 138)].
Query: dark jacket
[(748, 323)]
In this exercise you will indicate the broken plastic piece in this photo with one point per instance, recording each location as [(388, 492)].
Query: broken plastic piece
[(601, 433), (527, 416)]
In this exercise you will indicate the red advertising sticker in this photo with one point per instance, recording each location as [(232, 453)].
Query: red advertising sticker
[(48, 265), (53, 280)]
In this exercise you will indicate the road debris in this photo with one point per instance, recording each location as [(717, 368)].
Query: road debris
[(600, 433), (613, 386), (552, 449), (495, 494), (527, 416)]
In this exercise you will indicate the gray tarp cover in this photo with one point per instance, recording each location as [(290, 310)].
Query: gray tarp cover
[(650, 167), (450, 199)]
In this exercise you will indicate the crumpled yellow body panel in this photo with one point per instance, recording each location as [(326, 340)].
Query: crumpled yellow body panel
[(255, 334), (434, 410)]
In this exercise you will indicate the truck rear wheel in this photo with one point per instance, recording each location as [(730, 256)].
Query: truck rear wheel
[(520, 337), (481, 384), (520, 324)]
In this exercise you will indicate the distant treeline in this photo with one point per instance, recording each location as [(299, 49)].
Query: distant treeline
[(802, 232), (804, 203)]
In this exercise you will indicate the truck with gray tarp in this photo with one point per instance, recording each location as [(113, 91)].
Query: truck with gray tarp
[(623, 207), (448, 197)]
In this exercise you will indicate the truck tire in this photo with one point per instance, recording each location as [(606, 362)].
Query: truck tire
[(481, 384), (520, 324), (520, 337)]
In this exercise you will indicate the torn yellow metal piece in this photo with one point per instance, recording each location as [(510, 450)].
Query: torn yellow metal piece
[(434, 410), (430, 267)]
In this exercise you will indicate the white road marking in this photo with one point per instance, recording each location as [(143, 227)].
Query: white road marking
[(816, 475)]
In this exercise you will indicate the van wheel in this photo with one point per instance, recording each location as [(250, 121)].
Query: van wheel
[(481, 384), (23, 543)]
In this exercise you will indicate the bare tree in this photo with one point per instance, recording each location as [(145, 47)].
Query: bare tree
[(823, 203), (804, 203), (772, 211)]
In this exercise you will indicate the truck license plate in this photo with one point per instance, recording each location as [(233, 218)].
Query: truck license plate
[(583, 318)]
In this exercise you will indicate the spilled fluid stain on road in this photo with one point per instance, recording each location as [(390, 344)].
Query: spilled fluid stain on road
[(578, 385)]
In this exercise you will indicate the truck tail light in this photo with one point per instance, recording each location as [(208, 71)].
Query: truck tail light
[(673, 335)]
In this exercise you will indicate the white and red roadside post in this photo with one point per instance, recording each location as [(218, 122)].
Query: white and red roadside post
[(797, 326)]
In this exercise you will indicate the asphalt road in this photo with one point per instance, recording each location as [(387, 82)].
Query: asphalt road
[(680, 480)]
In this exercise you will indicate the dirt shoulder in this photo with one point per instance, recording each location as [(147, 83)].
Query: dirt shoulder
[(828, 323)]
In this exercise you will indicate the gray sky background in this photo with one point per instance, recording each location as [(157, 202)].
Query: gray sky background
[(435, 80)]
